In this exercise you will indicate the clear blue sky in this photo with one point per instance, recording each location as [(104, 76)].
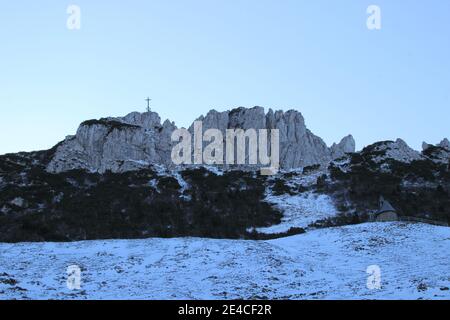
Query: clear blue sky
[(193, 55)]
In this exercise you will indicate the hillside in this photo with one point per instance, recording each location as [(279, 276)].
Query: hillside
[(97, 185), (321, 264)]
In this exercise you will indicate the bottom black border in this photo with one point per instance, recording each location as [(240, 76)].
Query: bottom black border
[(266, 309)]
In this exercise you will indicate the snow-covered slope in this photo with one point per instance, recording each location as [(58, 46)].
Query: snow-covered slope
[(321, 264), (299, 211)]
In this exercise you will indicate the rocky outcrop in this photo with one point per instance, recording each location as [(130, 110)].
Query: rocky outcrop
[(439, 153), (400, 151), (347, 145), (416, 186), (397, 150), (445, 144), (299, 147), (116, 144), (139, 139)]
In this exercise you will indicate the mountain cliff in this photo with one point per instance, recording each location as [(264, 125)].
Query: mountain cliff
[(116, 144), (140, 139)]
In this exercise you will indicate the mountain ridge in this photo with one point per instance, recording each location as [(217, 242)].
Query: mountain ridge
[(120, 144)]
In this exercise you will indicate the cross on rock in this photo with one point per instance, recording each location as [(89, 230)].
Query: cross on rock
[(148, 103)]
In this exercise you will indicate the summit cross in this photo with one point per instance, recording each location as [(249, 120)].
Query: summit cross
[(148, 103)]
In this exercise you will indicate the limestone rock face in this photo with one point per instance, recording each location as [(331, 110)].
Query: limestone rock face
[(397, 150), (116, 144), (425, 146), (347, 145), (439, 153), (139, 140), (445, 144), (299, 147)]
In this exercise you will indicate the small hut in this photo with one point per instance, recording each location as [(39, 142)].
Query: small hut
[(385, 212)]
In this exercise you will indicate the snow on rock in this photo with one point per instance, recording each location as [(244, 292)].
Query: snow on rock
[(399, 151), (131, 165), (154, 184), (218, 171), (160, 170), (305, 180), (183, 184), (300, 211), (445, 143), (439, 153), (321, 264), (19, 202), (344, 164)]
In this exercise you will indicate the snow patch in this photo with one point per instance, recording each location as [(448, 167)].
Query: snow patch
[(214, 169), (299, 211), (183, 184)]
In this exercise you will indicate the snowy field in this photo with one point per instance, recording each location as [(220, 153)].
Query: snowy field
[(321, 264)]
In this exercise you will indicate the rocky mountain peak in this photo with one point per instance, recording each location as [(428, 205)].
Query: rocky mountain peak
[(145, 120), (445, 144), (299, 147), (139, 139), (346, 145), (397, 150), (116, 144), (439, 153), (400, 151)]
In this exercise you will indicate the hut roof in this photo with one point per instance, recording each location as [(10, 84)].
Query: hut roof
[(385, 206)]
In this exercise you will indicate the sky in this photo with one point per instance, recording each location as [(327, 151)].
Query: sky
[(190, 56)]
